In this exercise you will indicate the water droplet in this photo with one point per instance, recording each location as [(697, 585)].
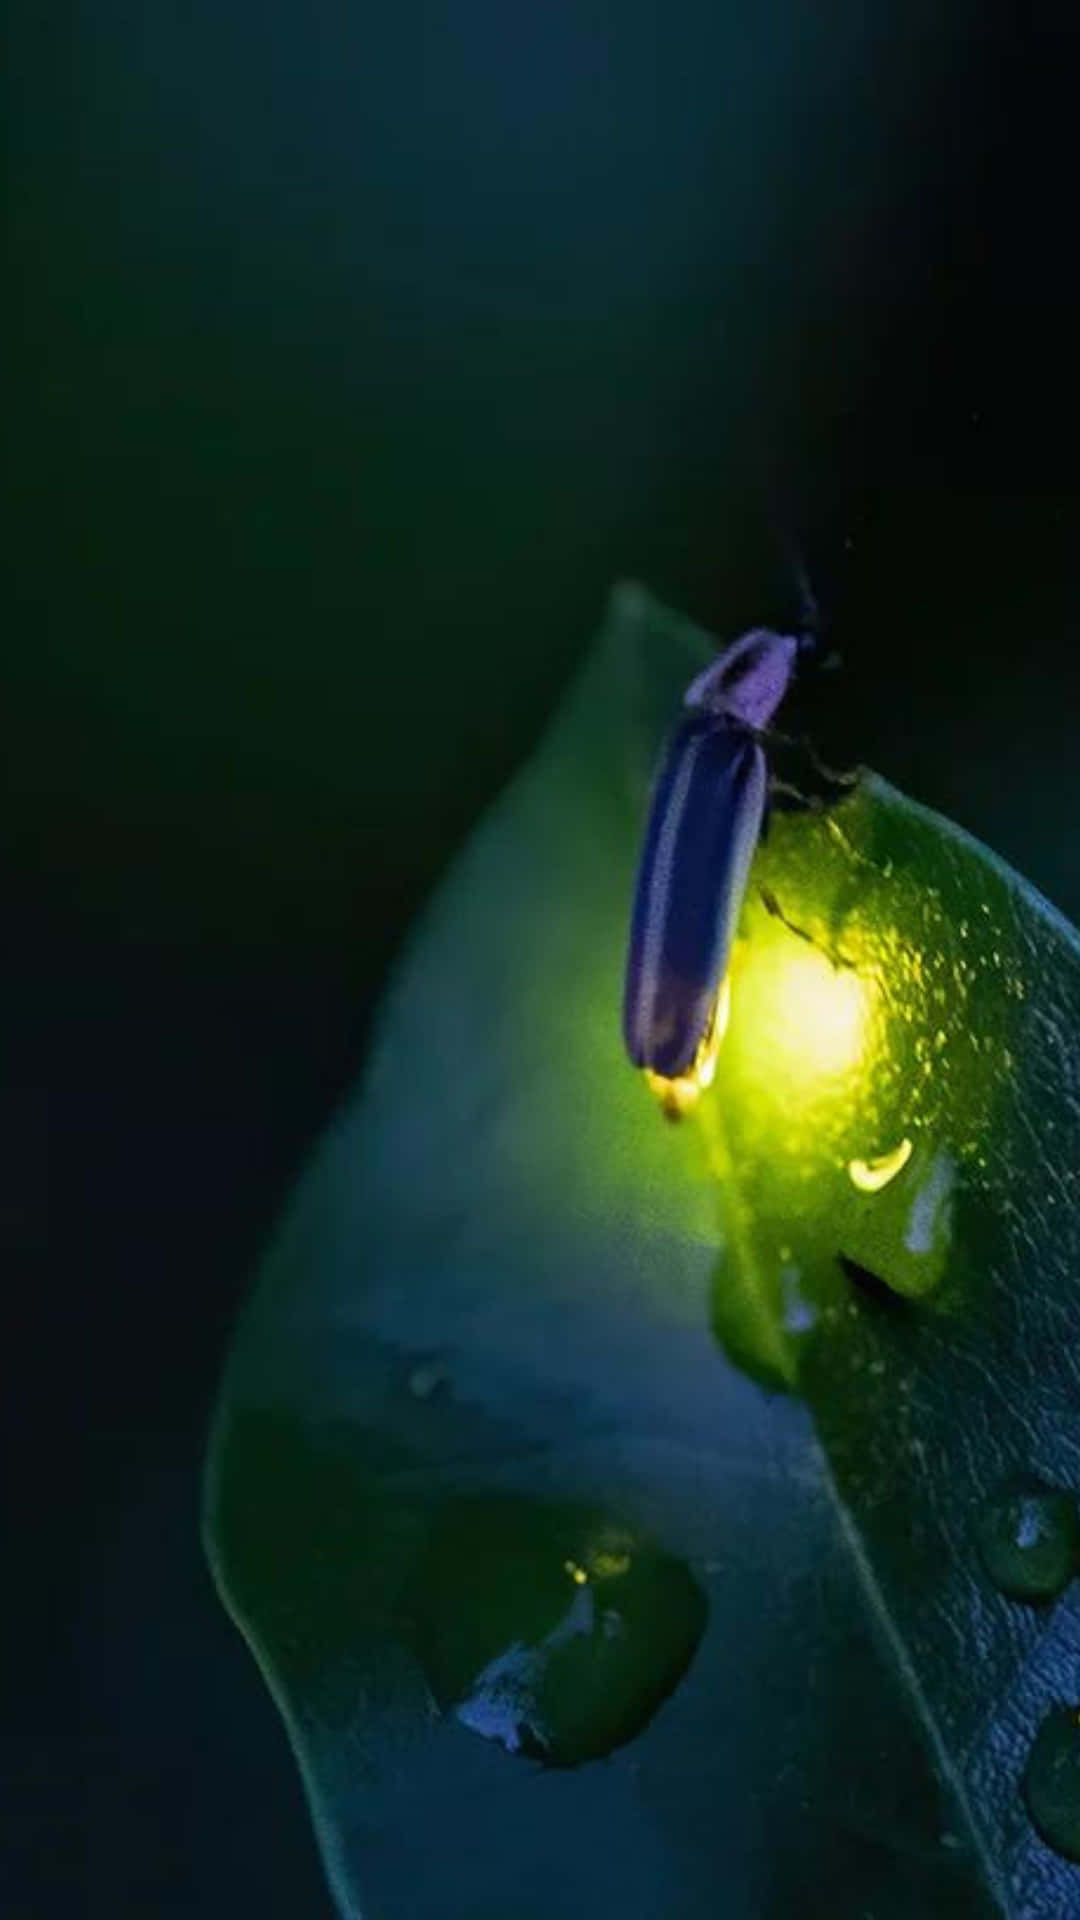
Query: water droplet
[(1052, 1781), (798, 1314), (425, 1380), (1029, 1539), (550, 1629), (928, 1222)]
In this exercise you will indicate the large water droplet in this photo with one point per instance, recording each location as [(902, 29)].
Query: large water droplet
[(1029, 1539), (550, 1629), (1052, 1781)]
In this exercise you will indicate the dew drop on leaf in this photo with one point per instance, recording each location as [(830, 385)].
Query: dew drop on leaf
[(1052, 1781), (799, 1314), (1029, 1540), (550, 1629)]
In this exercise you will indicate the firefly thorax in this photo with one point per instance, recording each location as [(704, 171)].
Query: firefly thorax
[(749, 680)]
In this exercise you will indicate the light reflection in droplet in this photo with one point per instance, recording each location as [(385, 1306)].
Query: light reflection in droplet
[(928, 1220), (869, 1176)]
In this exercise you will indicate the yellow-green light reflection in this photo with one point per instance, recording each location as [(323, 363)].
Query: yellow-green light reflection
[(609, 1564), (602, 1563), (801, 1086), (871, 1175), (805, 1023)]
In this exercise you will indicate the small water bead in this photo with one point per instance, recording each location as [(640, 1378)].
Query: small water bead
[(798, 1313), (1052, 1781), (548, 1628), (1029, 1540), (426, 1380)]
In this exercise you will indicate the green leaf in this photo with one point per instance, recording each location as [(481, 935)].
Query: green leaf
[(486, 1494)]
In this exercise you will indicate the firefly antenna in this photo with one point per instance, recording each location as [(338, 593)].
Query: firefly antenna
[(811, 622)]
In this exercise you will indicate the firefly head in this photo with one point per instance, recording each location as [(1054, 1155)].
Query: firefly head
[(749, 680)]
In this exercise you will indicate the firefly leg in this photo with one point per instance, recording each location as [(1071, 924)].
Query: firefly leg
[(772, 905), (786, 798), (828, 774), (782, 797), (804, 745)]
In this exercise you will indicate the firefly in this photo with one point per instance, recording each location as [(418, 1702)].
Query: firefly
[(707, 814)]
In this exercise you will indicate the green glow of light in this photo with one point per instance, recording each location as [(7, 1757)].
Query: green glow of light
[(809, 1022)]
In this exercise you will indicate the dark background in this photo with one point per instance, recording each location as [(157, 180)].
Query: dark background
[(351, 357)]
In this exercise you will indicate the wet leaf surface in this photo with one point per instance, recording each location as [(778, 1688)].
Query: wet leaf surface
[(487, 1495)]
